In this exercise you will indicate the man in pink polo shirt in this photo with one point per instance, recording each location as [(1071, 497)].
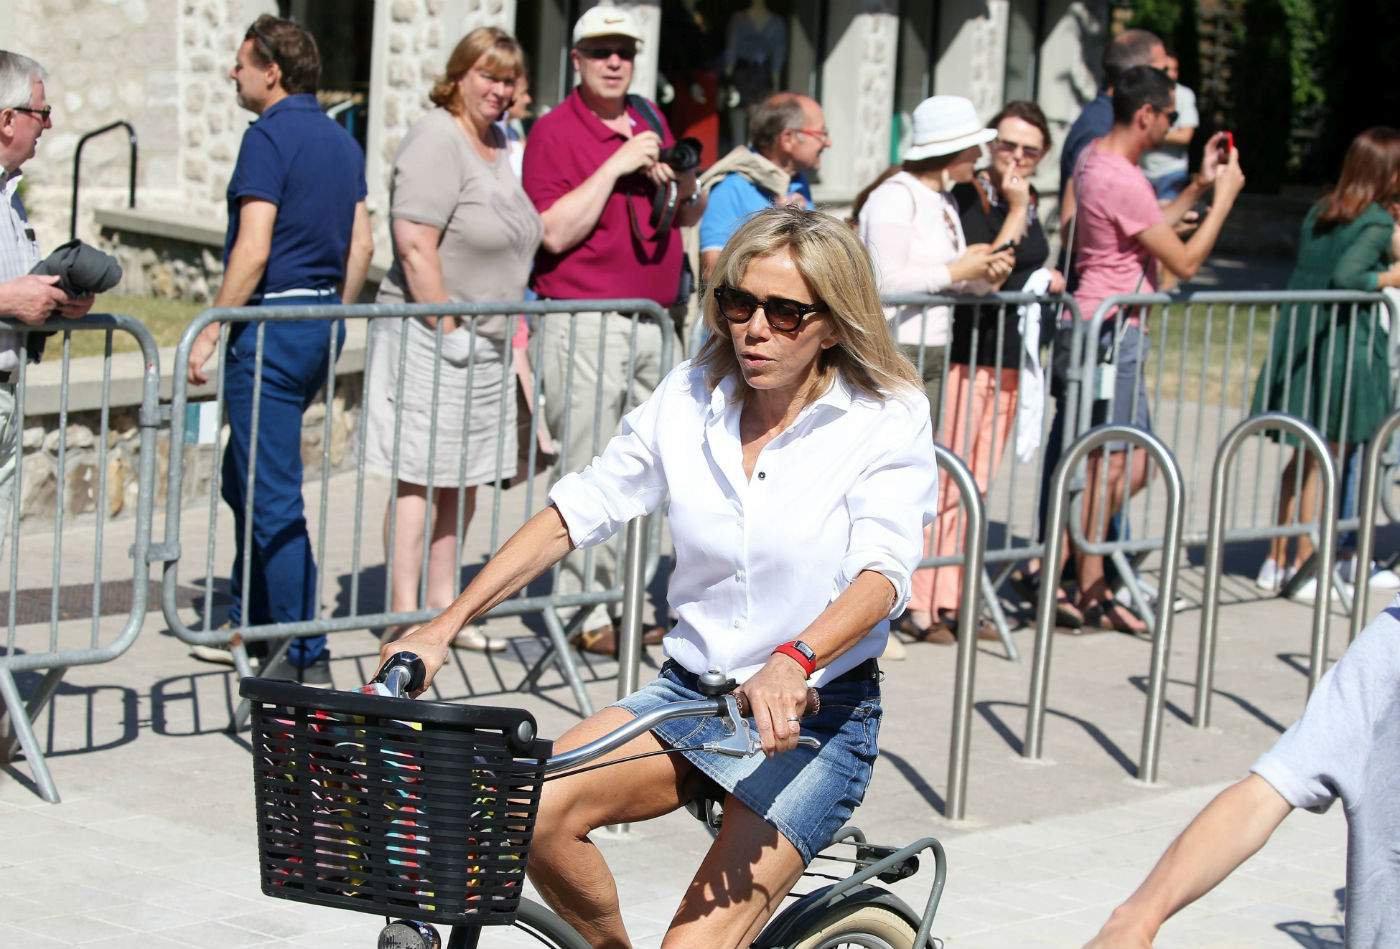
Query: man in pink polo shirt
[(1121, 236), (591, 167)]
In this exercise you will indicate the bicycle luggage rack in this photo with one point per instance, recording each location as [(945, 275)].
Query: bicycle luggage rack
[(401, 808)]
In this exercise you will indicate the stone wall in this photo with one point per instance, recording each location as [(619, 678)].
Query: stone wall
[(83, 491), (162, 267)]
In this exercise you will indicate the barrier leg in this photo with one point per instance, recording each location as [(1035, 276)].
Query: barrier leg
[(629, 637), (1129, 576), (989, 599), (564, 657), (244, 711), (20, 717)]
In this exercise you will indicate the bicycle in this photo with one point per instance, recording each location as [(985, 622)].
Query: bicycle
[(360, 805)]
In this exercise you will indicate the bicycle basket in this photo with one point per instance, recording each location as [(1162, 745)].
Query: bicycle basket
[(422, 810)]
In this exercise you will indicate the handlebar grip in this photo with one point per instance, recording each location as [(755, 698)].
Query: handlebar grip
[(411, 664), (814, 704)]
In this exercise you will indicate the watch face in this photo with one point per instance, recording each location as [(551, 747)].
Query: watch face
[(805, 649)]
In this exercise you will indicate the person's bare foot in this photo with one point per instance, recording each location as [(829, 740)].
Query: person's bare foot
[(1110, 615)]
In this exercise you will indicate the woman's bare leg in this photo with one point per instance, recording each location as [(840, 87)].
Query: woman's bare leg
[(443, 554), (745, 876), (1278, 546), (1307, 508), (408, 509), (565, 866)]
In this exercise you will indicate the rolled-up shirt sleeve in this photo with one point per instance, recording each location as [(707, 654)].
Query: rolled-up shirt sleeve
[(624, 482), (891, 504)]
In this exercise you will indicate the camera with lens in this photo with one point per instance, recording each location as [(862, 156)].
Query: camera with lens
[(683, 156)]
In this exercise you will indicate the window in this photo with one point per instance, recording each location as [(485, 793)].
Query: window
[(915, 58), (1023, 36), (343, 30), (544, 29)]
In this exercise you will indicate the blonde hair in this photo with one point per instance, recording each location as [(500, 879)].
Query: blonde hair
[(835, 265), (490, 48)]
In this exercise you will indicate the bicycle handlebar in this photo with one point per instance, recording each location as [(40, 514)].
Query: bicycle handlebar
[(405, 672)]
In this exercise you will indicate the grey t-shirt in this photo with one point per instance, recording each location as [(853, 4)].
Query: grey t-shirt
[(490, 229), (1347, 745)]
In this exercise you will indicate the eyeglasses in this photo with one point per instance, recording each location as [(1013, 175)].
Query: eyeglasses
[(821, 134), (625, 53), (1172, 115), (1010, 148), (267, 51), (43, 114), (783, 315)]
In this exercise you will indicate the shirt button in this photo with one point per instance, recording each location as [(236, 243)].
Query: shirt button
[(736, 624), (761, 476), (739, 576)]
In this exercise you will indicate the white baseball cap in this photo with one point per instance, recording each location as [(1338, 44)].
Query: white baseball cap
[(606, 21), (945, 125)]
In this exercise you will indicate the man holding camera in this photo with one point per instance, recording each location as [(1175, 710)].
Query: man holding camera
[(594, 167)]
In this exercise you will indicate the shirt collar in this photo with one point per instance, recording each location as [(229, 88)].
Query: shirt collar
[(838, 397), (590, 120), (299, 102), (10, 180)]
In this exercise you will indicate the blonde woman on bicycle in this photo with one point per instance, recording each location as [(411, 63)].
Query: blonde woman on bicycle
[(795, 458)]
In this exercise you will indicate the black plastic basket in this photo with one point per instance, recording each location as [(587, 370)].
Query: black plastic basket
[(421, 810)]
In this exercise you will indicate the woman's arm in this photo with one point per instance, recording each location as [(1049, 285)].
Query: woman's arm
[(417, 246), (1361, 265), (777, 693), (538, 545)]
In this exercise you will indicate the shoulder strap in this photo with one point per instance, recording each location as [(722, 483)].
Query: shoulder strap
[(648, 113)]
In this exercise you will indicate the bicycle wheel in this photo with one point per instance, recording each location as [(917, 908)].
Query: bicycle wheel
[(541, 923), (863, 925)]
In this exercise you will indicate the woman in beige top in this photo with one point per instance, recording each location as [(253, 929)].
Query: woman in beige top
[(440, 406)]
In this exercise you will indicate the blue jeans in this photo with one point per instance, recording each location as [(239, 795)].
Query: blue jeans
[(282, 574)]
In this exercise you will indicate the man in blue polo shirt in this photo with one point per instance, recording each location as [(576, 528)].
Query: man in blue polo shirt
[(787, 135), (298, 235)]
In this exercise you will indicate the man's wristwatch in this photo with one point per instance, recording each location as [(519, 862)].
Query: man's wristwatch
[(801, 653)]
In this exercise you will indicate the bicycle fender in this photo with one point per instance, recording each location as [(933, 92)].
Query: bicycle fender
[(799, 919)]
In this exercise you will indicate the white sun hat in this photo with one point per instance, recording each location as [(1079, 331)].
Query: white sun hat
[(606, 21), (945, 125)]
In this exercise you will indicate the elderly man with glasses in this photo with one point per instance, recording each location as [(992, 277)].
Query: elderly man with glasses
[(31, 299), (592, 167)]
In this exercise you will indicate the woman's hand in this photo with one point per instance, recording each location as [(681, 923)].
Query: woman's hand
[(979, 263), (1016, 190), (777, 696), (1057, 281), (428, 642)]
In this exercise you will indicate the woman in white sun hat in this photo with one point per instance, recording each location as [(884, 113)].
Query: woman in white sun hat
[(910, 224)]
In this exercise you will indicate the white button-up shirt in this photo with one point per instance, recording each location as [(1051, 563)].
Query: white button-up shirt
[(847, 487), (19, 252)]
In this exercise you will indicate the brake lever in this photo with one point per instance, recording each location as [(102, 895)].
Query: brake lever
[(740, 740)]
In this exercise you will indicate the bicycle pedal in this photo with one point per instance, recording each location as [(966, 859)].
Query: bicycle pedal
[(870, 854)]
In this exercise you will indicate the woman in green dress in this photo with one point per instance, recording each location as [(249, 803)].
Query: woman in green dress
[(1328, 364)]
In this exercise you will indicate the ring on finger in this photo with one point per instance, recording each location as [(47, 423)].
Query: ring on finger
[(794, 719)]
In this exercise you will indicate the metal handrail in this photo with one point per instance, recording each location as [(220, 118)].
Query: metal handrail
[(1215, 549), (78, 164)]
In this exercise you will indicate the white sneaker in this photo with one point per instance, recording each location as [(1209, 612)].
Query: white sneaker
[(894, 649), (469, 637), (222, 656), (1125, 595), (1307, 593), (1383, 579), (1270, 577)]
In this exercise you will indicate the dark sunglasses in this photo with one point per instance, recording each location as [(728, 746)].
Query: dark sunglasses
[(1172, 115), (625, 53), (43, 113), (736, 306), (267, 51), (1010, 148)]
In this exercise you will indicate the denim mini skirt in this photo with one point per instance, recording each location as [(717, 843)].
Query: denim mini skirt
[(807, 794)]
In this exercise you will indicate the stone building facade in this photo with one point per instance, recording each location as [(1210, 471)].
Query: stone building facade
[(162, 65)]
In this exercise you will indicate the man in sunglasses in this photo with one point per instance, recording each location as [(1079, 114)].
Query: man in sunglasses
[(298, 235), (591, 167), (31, 299)]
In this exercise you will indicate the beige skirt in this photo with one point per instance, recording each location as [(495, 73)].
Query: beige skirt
[(451, 426)]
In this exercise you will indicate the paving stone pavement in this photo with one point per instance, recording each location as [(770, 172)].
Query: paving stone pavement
[(154, 844)]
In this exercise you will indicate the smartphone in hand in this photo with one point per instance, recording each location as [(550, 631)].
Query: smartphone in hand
[(1007, 246), (1227, 145)]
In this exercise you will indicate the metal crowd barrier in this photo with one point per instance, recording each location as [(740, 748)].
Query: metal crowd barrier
[(1215, 544), (1368, 502), (1169, 545), (1011, 487), (54, 645), (488, 351), (1208, 353)]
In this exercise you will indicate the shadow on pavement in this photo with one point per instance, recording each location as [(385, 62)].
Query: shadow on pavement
[(1013, 741)]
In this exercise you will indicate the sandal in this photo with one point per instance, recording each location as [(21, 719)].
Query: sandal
[(985, 629), (1111, 616), (938, 635)]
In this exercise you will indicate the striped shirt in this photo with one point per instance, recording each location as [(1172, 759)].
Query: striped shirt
[(19, 252)]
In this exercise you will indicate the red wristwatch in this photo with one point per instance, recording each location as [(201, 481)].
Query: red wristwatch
[(801, 653)]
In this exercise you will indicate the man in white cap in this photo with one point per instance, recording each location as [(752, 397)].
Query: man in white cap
[(592, 167)]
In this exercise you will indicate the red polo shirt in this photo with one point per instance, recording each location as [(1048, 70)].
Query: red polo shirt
[(563, 149)]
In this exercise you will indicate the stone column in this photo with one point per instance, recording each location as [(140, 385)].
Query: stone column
[(857, 94), (972, 61)]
